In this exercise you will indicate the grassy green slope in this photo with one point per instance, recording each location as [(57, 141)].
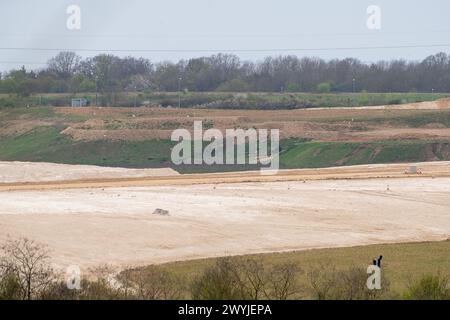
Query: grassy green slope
[(46, 144), (325, 154)]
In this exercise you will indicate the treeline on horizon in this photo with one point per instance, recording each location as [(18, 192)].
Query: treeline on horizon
[(69, 73)]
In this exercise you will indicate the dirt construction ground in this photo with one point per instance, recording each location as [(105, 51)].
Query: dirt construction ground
[(347, 124), (92, 221), (356, 124)]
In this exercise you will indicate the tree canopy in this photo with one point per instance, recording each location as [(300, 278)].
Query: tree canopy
[(67, 72)]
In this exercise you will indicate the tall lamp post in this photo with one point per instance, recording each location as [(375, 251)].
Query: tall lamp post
[(95, 77), (179, 92)]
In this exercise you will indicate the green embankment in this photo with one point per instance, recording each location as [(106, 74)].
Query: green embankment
[(326, 154), (46, 144)]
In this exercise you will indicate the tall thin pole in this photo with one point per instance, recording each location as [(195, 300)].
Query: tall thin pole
[(354, 85), (96, 93), (179, 92)]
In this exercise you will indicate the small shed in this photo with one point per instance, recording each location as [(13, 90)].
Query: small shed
[(411, 170), (80, 102)]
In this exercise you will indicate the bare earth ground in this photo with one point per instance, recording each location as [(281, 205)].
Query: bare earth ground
[(15, 171), (135, 124), (98, 221), (318, 124)]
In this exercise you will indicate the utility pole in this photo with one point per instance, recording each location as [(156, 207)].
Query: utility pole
[(354, 85), (96, 92), (179, 92)]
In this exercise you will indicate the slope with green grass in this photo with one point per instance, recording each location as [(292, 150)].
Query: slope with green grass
[(46, 144), (328, 154)]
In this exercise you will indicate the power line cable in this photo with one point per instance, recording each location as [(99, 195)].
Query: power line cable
[(75, 35), (225, 50), (21, 62)]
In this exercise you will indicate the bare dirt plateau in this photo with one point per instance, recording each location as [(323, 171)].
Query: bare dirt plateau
[(114, 225), (15, 171)]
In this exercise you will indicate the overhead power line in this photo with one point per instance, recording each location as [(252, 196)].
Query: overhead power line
[(189, 36), (227, 50), (21, 62)]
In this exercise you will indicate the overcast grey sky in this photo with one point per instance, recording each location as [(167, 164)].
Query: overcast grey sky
[(174, 29)]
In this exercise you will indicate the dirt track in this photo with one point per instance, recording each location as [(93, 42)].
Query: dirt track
[(97, 222), (429, 169)]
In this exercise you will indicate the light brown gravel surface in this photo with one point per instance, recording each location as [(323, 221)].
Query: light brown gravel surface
[(89, 226)]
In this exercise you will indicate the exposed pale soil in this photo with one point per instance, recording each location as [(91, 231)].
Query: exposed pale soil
[(101, 221)]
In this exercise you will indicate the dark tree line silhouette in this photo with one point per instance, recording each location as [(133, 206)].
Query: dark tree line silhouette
[(69, 73)]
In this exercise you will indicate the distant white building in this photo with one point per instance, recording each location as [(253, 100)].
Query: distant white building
[(80, 102)]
